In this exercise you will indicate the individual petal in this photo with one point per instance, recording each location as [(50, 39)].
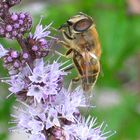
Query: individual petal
[(36, 126), (38, 71), (87, 129), (52, 119), (41, 32)]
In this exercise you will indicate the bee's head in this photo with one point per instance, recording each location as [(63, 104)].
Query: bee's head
[(80, 22)]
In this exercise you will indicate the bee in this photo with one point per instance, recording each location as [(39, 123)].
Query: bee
[(81, 39)]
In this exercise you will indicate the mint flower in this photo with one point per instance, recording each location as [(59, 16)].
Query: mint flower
[(41, 83), (87, 129), (40, 119), (59, 118), (41, 32), (67, 103), (37, 42), (45, 80), (37, 92), (37, 120)]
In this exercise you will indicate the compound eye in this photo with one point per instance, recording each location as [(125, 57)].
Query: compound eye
[(82, 25)]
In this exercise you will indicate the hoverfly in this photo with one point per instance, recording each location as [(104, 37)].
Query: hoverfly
[(81, 40)]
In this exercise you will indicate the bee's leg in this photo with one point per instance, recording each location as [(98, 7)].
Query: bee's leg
[(56, 52), (69, 68), (70, 33), (77, 79), (67, 35), (65, 44), (69, 52), (73, 82), (78, 66), (66, 55), (88, 85)]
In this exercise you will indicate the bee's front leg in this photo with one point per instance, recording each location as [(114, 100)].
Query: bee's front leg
[(67, 36), (63, 43)]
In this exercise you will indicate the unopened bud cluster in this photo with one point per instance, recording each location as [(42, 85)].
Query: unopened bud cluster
[(14, 61), (39, 47), (13, 25)]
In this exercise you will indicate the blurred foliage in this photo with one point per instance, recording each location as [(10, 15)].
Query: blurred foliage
[(119, 34)]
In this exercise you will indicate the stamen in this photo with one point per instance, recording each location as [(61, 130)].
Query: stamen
[(9, 95), (47, 27), (103, 134), (64, 62), (58, 59), (103, 130), (41, 17), (66, 67), (52, 37), (113, 133), (3, 78)]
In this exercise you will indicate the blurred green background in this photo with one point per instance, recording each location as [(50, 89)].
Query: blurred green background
[(117, 92)]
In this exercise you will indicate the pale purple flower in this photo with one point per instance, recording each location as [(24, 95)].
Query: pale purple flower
[(67, 103), (16, 82), (38, 44), (27, 121), (39, 71), (16, 64), (86, 129), (52, 119), (37, 92), (48, 76), (60, 114), (41, 32), (36, 119), (22, 119), (35, 126)]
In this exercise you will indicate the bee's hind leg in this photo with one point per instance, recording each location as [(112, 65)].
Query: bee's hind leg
[(73, 83)]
